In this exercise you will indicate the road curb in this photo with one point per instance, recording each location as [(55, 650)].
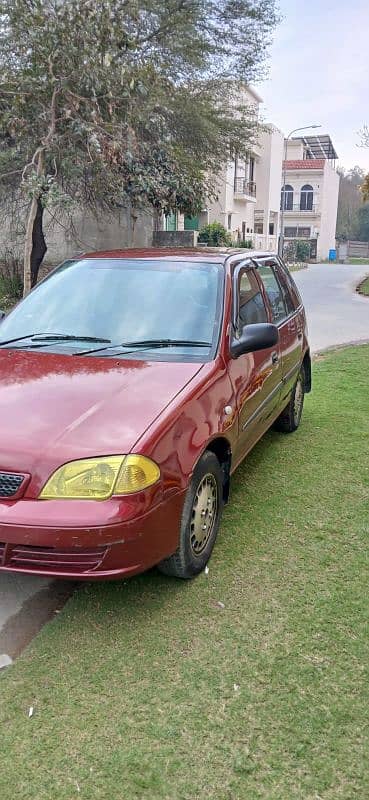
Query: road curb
[(341, 346), (359, 285)]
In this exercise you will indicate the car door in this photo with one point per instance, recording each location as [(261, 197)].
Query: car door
[(256, 377), (286, 316)]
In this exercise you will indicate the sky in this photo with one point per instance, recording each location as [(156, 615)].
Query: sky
[(319, 73)]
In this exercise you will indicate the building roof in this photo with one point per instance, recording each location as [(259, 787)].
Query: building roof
[(305, 163), (319, 146)]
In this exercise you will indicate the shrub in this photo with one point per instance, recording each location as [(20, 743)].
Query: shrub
[(215, 235), (11, 276), (302, 250), (296, 251), (247, 243)]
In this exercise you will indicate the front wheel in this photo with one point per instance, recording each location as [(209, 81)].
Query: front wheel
[(290, 418), (200, 520)]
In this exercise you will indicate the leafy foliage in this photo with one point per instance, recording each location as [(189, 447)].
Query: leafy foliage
[(125, 103), (11, 277), (302, 250), (246, 243), (349, 201), (365, 188), (296, 251), (364, 136), (215, 235), (362, 224)]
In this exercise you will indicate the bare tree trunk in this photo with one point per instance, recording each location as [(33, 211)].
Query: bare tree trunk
[(28, 243), (28, 247), (133, 227), (128, 212), (38, 243), (157, 217)]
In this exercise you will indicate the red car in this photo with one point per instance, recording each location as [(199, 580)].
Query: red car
[(132, 384)]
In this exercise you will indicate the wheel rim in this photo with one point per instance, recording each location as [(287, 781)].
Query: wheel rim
[(298, 400), (204, 512)]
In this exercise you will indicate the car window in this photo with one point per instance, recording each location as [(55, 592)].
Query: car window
[(274, 291), (288, 298), (251, 304), (294, 292)]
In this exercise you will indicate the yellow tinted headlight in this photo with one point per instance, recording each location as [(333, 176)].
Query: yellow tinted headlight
[(100, 478), (137, 472)]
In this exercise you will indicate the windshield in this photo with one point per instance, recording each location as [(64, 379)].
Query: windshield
[(121, 302)]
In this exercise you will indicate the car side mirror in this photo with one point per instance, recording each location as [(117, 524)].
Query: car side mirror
[(2, 315), (260, 336)]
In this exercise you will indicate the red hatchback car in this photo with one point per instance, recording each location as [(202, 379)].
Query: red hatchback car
[(132, 384)]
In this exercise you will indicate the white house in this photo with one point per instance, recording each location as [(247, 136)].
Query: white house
[(249, 192), (267, 179), (311, 193), (248, 202)]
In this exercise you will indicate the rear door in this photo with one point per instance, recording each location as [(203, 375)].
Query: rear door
[(256, 377), (286, 316)]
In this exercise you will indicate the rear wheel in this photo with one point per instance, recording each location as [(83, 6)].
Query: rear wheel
[(200, 520), (290, 418)]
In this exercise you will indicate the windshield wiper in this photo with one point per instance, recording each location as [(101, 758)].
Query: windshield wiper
[(147, 344), (54, 337), (66, 337)]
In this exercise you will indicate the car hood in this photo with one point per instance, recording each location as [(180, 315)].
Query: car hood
[(55, 408)]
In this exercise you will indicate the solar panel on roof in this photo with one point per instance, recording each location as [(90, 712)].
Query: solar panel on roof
[(319, 146)]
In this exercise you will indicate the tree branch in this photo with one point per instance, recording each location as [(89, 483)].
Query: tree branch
[(8, 174)]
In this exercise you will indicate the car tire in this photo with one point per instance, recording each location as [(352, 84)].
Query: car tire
[(290, 418), (200, 520)]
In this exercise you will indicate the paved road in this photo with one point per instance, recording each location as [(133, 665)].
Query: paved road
[(335, 314)]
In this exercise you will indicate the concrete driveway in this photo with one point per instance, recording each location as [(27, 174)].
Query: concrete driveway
[(336, 315), (26, 603)]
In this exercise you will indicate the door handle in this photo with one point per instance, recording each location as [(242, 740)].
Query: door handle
[(275, 358)]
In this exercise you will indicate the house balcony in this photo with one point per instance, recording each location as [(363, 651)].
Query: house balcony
[(296, 208), (244, 189)]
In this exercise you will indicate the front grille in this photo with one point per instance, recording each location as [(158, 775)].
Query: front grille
[(10, 484), (54, 560)]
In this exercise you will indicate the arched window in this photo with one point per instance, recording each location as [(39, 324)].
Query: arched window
[(288, 198), (306, 198)]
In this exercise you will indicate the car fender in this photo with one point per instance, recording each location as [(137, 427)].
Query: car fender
[(203, 413)]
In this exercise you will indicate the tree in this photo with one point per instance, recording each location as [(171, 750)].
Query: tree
[(362, 224), (364, 134), (349, 202), (118, 102), (365, 188)]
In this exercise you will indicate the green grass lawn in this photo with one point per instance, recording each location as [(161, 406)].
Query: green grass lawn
[(364, 287), (149, 689), (358, 261)]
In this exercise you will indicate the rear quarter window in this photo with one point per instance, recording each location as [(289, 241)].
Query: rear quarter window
[(287, 278)]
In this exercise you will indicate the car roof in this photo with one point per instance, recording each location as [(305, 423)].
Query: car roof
[(209, 254)]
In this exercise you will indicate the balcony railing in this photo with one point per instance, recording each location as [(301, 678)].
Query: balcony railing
[(244, 187), (297, 207)]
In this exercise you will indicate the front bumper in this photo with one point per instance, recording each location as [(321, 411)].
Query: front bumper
[(129, 535)]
